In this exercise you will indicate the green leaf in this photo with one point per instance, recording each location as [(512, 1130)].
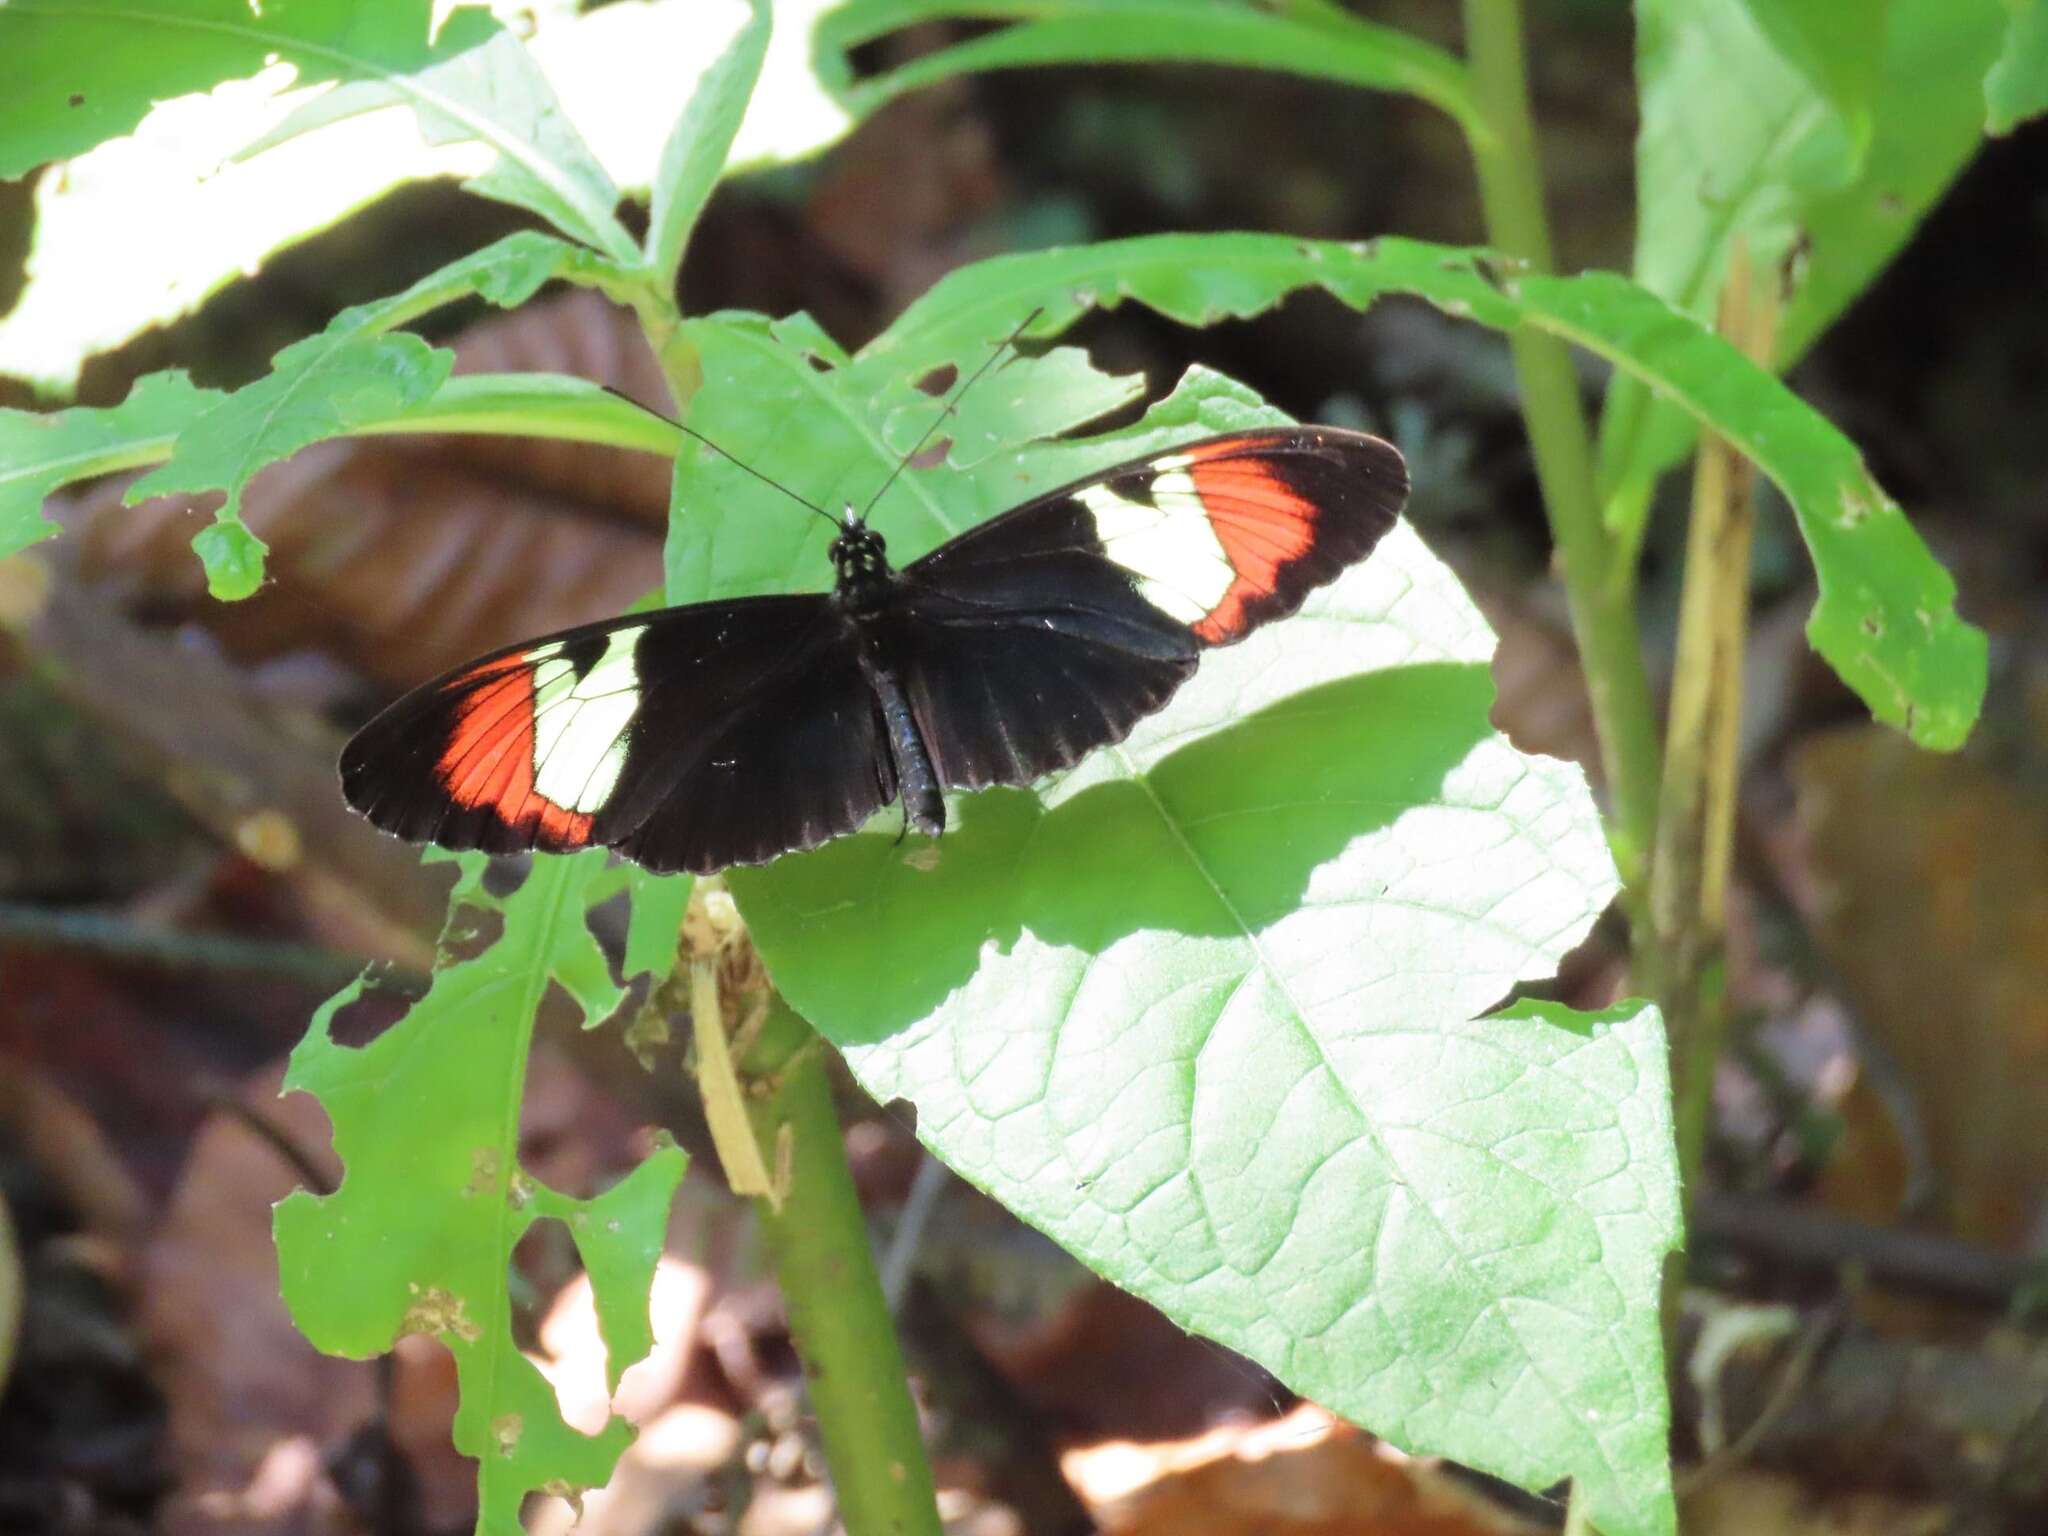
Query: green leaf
[(355, 375), (75, 73), (1737, 137), (1206, 1008), (1715, 163), (1065, 390), (1838, 45), (2016, 88), (42, 453), (420, 1234), (1927, 130), (1325, 45), (654, 921), (1885, 619), (701, 141), (487, 88)]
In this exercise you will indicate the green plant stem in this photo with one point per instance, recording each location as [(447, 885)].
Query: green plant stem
[(13, 1286), (838, 1318), (1603, 611)]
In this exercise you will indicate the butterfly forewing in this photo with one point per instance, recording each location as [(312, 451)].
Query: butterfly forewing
[(694, 738), (1020, 641)]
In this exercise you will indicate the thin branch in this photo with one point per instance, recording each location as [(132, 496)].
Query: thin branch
[(1788, 1234)]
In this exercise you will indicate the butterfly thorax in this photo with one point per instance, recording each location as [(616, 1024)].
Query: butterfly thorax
[(860, 559)]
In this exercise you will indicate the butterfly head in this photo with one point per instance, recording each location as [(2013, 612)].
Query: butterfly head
[(860, 560)]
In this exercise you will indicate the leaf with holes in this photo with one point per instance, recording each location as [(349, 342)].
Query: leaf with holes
[(419, 1236), (1886, 617), (354, 375), (762, 377), (42, 453)]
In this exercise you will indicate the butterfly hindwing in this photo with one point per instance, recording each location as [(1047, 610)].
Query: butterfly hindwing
[(696, 737), (1054, 628)]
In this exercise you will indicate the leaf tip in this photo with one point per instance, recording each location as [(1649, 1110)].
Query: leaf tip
[(233, 558)]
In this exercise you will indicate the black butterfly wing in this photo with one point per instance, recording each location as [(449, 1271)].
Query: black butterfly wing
[(691, 738), (1054, 628)]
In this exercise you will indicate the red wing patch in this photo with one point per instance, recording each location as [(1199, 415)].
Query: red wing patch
[(488, 763), (1263, 524)]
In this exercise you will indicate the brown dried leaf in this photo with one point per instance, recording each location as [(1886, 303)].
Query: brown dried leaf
[(1746, 1502), (1308, 1474), (1927, 880)]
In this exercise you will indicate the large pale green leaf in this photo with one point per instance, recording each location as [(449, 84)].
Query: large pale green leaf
[(40, 454), (490, 90), (1206, 1008), (1740, 137), (1321, 42), (74, 73), (1885, 619), (355, 374), (420, 1234), (2016, 88), (621, 72)]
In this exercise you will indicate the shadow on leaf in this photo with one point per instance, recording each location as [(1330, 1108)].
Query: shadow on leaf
[(1221, 838)]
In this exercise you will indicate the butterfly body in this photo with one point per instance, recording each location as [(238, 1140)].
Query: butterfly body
[(731, 732)]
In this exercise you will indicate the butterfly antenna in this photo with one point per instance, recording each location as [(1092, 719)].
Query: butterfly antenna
[(764, 479), (952, 405)]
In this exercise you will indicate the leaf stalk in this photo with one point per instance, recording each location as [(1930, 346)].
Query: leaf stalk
[(1696, 822)]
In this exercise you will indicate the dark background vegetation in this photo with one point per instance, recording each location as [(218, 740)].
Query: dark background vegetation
[(1878, 1153)]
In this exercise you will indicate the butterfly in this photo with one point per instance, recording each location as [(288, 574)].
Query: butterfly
[(732, 732)]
